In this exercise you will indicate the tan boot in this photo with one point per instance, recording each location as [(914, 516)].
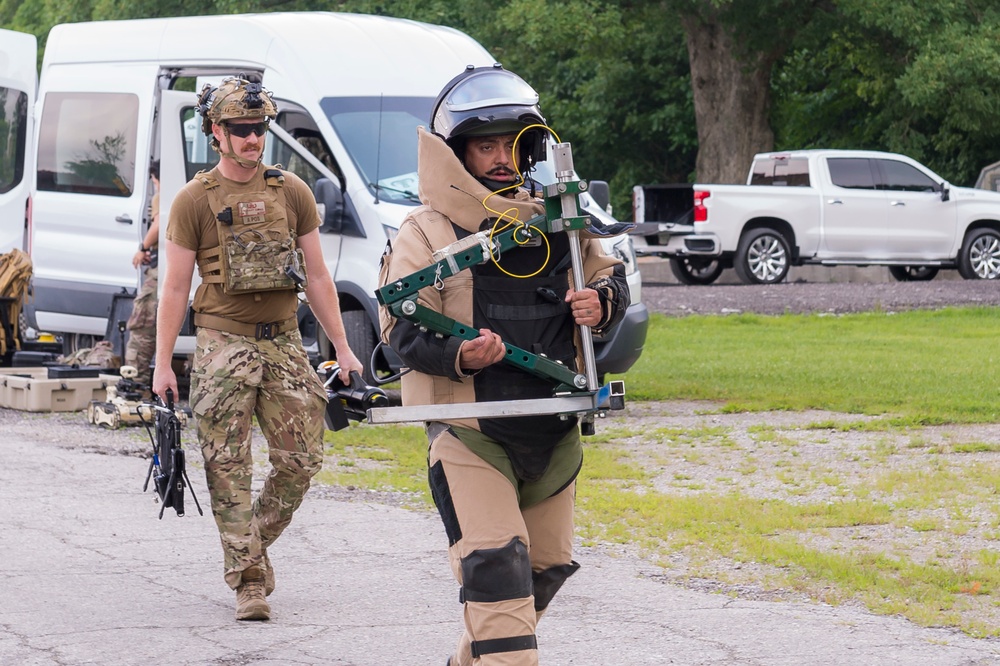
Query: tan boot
[(250, 601), (268, 576)]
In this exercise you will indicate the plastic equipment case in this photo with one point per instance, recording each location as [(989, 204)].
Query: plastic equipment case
[(31, 390)]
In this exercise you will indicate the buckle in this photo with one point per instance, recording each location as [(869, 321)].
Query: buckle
[(267, 331)]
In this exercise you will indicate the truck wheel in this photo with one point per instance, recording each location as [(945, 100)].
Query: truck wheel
[(73, 342), (361, 338), (762, 257), (913, 273), (979, 258), (695, 270)]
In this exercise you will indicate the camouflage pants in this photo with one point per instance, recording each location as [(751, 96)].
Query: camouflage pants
[(141, 326), (235, 378)]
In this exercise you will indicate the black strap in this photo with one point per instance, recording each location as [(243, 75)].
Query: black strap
[(511, 644), (526, 312)]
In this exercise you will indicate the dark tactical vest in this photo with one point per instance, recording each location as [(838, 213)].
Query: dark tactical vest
[(532, 314)]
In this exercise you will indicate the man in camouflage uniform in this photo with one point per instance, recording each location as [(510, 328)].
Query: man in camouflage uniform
[(253, 233), (142, 322)]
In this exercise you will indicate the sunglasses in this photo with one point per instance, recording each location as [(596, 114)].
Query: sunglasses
[(243, 130)]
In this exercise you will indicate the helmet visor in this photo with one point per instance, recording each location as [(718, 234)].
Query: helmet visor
[(491, 88)]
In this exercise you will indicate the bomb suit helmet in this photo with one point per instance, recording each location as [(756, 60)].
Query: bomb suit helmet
[(490, 101), (235, 98)]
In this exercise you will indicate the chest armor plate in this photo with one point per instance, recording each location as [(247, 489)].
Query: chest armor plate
[(257, 249)]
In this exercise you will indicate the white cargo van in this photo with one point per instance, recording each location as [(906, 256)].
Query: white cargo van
[(115, 95)]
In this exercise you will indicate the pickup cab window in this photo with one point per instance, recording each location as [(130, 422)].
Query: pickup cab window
[(781, 171), (902, 177), (853, 173)]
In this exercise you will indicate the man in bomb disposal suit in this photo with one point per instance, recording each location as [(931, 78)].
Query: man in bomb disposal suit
[(504, 487), (253, 233)]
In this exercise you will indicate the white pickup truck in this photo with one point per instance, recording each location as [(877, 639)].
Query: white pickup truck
[(830, 207)]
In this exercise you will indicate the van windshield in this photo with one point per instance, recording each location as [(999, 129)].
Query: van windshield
[(380, 133)]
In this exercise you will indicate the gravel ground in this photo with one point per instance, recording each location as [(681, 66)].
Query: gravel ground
[(698, 448), (810, 290)]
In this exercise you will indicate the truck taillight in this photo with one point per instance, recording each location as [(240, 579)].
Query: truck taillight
[(700, 210)]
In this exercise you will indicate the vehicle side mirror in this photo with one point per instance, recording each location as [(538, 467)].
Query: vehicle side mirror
[(601, 193), (330, 199), (945, 192)]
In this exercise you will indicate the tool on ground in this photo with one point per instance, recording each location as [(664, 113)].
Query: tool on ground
[(122, 403)]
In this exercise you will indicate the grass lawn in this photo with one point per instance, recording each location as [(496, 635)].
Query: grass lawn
[(793, 506)]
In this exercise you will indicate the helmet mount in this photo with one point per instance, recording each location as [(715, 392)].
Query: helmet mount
[(235, 98)]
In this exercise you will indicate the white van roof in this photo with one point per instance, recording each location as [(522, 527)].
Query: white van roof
[(351, 54)]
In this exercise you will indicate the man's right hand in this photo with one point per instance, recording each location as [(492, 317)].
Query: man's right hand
[(140, 258), (163, 379), (481, 352)]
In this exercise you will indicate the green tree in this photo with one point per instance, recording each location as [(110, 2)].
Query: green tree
[(612, 77), (733, 46), (920, 78)]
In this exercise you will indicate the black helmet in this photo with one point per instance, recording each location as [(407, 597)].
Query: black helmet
[(488, 101)]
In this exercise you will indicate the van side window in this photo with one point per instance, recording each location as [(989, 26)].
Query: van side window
[(198, 153), (316, 146), (282, 153), (86, 143), (853, 173), (304, 130), (13, 137), (787, 172)]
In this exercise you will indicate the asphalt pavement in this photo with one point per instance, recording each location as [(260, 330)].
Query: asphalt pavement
[(91, 576)]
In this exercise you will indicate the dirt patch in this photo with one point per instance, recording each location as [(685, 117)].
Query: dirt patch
[(935, 486)]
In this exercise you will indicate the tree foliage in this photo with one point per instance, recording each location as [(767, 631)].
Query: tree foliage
[(920, 78), (615, 76)]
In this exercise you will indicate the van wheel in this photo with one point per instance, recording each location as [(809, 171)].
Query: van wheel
[(361, 338), (979, 258), (73, 342), (762, 257), (913, 273), (695, 270)]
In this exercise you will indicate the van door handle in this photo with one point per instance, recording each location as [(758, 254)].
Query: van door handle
[(897, 203), (124, 219), (834, 201)]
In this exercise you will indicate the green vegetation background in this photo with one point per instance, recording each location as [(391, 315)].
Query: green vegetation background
[(920, 78)]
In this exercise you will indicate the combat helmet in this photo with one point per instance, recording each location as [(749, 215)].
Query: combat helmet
[(236, 98), (488, 101)]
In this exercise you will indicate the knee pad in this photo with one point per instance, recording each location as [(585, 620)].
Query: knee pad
[(497, 574), (547, 583)]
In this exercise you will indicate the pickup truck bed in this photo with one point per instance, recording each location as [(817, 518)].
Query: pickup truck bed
[(824, 207)]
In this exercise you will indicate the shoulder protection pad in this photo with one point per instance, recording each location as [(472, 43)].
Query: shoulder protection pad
[(206, 179), (274, 177)]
